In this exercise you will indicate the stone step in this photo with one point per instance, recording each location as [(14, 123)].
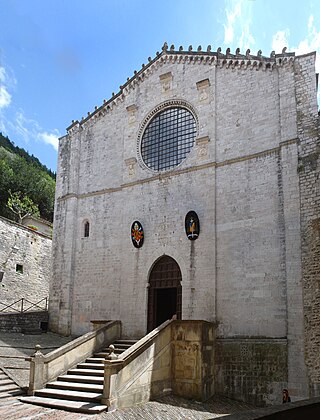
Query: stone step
[(89, 372), (131, 342), (75, 386), (9, 387), (81, 379), (11, 394), (5, 381), (65, 394), (105, 353), (76, 406), (94, 359), (81, 387), (90, 366), (121, 346)]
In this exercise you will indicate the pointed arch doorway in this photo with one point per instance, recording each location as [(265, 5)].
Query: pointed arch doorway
[(165, 292)]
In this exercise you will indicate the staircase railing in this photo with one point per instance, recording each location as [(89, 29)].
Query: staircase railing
[(24, 305), (45, 368)]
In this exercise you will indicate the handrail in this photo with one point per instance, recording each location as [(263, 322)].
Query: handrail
[(133, 351), (21, 303)]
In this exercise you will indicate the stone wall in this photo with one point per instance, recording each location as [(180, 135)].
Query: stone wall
[(25, 261), (27, 322), (309, 170), (251, 370), (244, 270)]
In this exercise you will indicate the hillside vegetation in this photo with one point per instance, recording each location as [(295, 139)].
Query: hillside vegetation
[(24, 173)]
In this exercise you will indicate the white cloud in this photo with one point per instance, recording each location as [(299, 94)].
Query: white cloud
[(232, 15), (2, 74), (30, 130), (18, 125), (50, 138), (280, 40), (237, 29), (5, 97), (310, 43)]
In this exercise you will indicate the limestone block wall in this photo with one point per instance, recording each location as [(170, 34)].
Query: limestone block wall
[(24, 323), (250, 243), (252, 370), (101, 179), (255, 123), (309, 169), (25, 261)]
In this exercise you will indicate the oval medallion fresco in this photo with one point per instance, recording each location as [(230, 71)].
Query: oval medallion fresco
[(137, 234), (192, 225)]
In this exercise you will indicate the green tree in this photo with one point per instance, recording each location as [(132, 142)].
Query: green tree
[(22, 206), (19, 174)]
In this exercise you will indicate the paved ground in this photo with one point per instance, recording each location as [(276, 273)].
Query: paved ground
[(168, 408), (174, 408), (14, 347)]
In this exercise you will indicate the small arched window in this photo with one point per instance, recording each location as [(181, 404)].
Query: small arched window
[(86, 229)]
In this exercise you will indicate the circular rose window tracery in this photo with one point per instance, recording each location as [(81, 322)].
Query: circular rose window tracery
[(168, 138)]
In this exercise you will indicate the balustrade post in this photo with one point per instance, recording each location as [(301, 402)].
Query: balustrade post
[(36, 371), (111, 369)]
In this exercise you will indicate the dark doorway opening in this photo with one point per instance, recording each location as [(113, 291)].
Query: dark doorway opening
[(165, 292), (166, 304)]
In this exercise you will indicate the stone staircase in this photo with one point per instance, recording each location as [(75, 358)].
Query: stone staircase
[(81, 388), (8, 388)]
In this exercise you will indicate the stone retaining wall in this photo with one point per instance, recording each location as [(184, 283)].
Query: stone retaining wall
[(24, 322), (25, 263), (251, 370)]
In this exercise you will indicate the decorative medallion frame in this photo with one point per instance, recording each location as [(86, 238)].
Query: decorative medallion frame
[(137, 234), (192, 225)]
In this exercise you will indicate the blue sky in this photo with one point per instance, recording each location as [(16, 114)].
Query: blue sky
[(60, 58)]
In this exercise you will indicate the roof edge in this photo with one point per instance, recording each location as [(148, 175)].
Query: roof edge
[(218, 55)]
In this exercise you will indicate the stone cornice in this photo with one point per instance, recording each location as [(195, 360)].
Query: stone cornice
[(208, 57)]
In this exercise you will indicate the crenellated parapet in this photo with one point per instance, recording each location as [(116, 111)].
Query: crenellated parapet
[(227, 60)]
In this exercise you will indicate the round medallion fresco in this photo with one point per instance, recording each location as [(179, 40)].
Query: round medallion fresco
[(192, 225), (137, 234)]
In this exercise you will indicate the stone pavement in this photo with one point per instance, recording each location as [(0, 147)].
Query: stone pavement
[(176, 408), (167, 408), (14, 347)]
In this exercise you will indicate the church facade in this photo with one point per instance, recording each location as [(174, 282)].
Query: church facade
[(194, 193)]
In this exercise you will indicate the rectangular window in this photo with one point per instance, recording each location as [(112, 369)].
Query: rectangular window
[(19, 268), (1, 276)]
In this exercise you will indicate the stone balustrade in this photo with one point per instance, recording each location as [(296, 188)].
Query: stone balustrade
[(45, 368), (177, 357)]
